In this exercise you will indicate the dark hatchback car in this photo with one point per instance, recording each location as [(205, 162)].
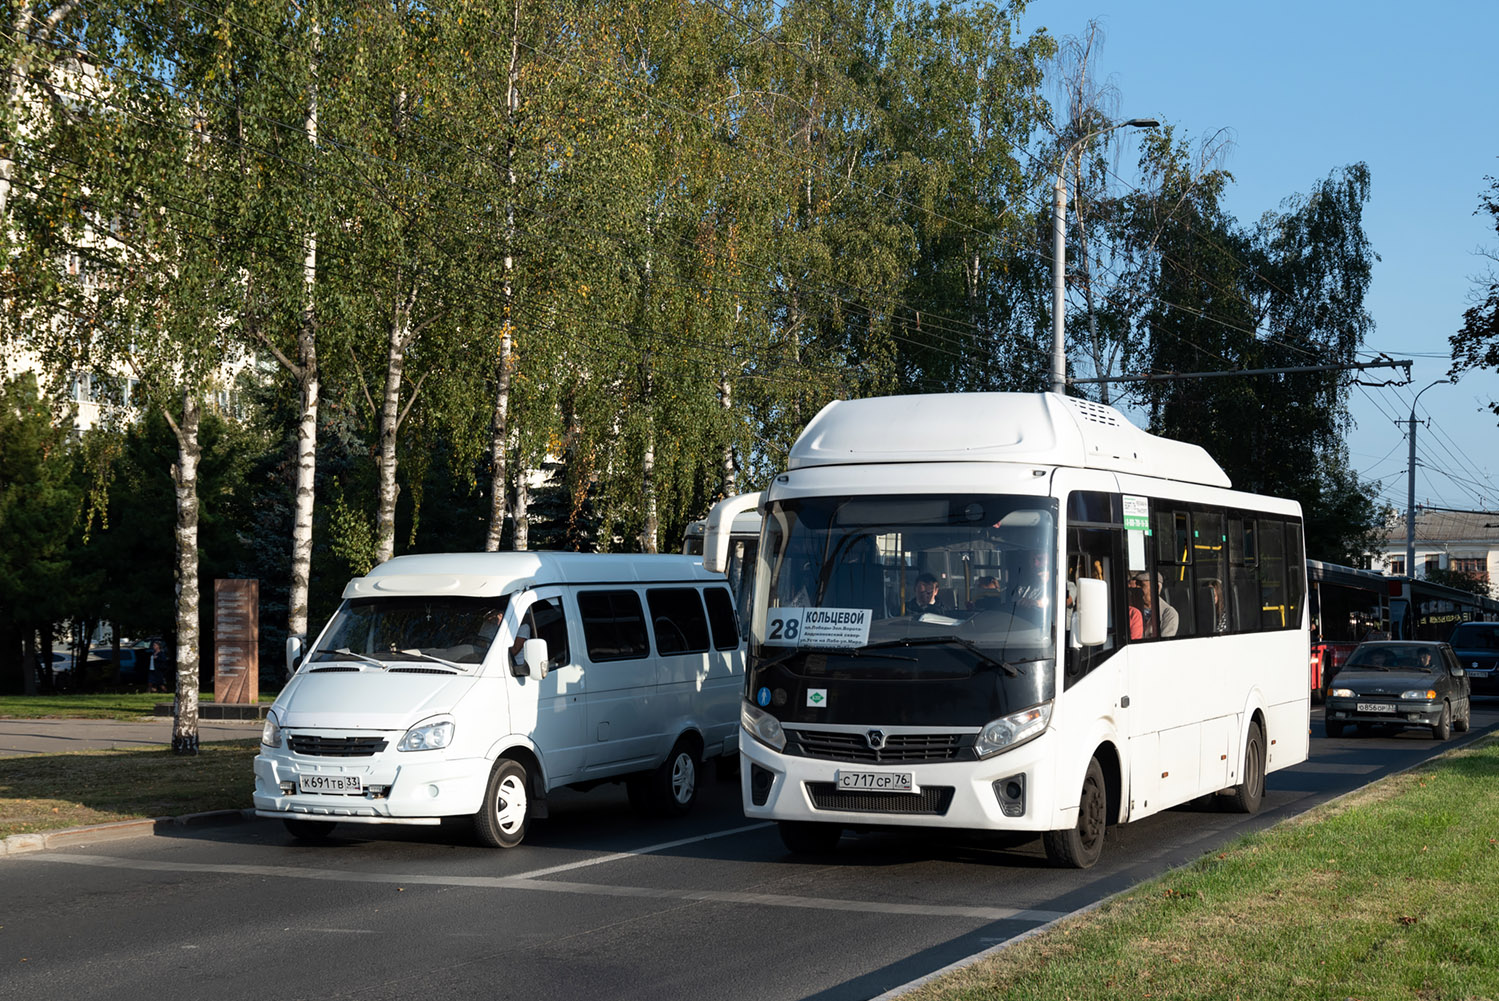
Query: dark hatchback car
[(1477, 647), (1386, 683)]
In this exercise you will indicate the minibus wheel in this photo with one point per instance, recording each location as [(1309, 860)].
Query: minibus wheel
[(309, 830), (671, 789), (1081, 846), (501, 821)]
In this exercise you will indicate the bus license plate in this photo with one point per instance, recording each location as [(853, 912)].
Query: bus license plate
[(874, 781), (336, 784), (1375, 707)]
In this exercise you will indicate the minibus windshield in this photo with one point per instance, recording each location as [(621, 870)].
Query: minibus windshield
[(909, 583), (454, 632)]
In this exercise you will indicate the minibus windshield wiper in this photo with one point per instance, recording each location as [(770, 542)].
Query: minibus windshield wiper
[(418, 655), (969, 645), (344, 651)]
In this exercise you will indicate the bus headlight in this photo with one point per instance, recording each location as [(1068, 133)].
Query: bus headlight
[(762, 726), (270, 731), (1424, 694), (427, 736), (1016, 728)]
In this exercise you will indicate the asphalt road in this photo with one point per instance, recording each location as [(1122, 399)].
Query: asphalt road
[(596, 903)]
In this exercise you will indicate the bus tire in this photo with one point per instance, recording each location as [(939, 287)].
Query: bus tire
[(808, 837), (501, 820), (1247, 796), (1081, 846)]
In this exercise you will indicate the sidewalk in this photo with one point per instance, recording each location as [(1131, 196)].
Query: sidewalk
[(54, 736)]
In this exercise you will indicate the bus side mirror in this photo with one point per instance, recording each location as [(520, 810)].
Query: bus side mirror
[(720, 523), (533, 655), (1092, 611), (293, 654)]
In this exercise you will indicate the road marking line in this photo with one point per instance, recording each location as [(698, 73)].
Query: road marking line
[(558, 886), (550, 870)]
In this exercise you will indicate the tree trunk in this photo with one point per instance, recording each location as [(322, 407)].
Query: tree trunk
[(185, 482), (727, 482), (390, 421), (522, 539), (649, 525), (29, 661), (500, 426), (308, 381)]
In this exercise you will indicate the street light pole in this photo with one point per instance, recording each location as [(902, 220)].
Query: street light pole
[(1059, 250), (1410, 492)]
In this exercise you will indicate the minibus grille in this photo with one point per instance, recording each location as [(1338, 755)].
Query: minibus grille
[(901, 748), (335, 747), (931, 800)]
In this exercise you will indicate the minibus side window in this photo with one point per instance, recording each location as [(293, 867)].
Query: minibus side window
[(721, 615), (548, 622), (677, 619), (613, 625)]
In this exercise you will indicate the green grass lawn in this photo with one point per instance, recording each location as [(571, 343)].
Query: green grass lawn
[(93, 705)]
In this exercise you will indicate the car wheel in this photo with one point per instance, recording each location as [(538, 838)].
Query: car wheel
[(1334, 728), (1249, 793), (310, 830), (803, 837), (1081, 846), (501, 820), (671, 789), (1443, 729)]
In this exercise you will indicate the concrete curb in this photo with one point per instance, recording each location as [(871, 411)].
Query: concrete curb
[(18, 844)]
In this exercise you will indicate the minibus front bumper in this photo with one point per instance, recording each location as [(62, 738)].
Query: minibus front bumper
[(407, 787)]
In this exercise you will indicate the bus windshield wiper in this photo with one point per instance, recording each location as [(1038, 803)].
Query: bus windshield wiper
[(969, 645), (848, 651)]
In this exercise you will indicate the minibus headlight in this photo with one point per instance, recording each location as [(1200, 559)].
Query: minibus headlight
[(1425, 694), (270, 731), (1016, 728), (1341, 693), (762, 726), (427, 736)]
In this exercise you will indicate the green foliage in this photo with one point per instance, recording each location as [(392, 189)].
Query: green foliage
[(1463, 580), (1476, 345)]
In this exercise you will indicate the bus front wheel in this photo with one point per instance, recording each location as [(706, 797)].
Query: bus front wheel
[(802, 837), (1079, 847)]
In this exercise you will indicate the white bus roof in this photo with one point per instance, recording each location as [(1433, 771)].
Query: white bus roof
[(494, 574), (1040, 428)]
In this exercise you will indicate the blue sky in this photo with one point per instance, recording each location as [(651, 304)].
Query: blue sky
[(1305, 89)]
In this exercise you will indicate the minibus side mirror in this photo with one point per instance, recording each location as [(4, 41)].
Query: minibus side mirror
[(293, 654), (533, 655), (1092, 611)]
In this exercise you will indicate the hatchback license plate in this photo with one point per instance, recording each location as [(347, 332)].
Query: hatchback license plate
[(875, 781), (337, 784), (1375, 707)]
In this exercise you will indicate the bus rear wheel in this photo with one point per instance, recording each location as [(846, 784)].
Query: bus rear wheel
[(1081, 846), (1250, 792)]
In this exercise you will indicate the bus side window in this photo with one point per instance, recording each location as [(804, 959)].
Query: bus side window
[(1094, 552)]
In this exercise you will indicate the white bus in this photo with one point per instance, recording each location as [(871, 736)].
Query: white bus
[(1113, 630), (473, 684)]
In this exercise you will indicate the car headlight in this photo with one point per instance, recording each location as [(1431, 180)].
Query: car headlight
[(270, 731), (1016, 728), (762, 726), (427, 736), (1425, 694), (1341, 693)]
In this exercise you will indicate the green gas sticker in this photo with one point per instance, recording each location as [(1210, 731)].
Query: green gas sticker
[(1136, 513)]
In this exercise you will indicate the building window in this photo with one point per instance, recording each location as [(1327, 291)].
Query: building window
[(1397, 566)]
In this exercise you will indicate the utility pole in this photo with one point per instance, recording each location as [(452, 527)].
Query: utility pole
[(1410, 492)]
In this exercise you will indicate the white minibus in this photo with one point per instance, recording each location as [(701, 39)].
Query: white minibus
[(474, 684), (1014, 612)]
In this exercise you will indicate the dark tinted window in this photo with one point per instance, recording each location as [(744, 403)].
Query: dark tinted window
[(613, 625), (677, 619), (1476, 636), (547, 622), (721, 615)]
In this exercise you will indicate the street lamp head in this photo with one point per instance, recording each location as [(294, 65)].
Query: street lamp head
[(1142, 123)]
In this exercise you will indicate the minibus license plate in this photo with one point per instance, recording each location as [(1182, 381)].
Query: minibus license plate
[(337, 784), (1375, 707), (875, 781)]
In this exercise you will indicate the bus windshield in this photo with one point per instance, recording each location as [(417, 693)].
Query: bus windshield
[(909, 584)]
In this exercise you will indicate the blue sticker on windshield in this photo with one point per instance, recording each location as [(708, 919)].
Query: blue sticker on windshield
[(763, 697)]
